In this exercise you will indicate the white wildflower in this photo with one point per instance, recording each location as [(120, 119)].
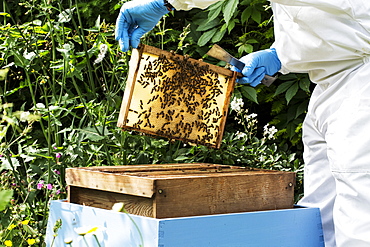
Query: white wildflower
[(29, 55), (53, 107), (240, 135), (237, 104), (251, 116), (103, 51), (269, 132), (40, 106), (66, 15), (24, 116), (103, 48), (68, 240)]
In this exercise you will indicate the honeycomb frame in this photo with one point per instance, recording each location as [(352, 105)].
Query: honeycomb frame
[(176, 97)]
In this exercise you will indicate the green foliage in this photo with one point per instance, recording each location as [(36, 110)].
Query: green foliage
[(5, 197)]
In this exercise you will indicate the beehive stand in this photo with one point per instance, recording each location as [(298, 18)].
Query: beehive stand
[(178, 190), (176, 97)]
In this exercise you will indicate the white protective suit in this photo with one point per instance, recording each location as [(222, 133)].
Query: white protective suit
[(330, 40)]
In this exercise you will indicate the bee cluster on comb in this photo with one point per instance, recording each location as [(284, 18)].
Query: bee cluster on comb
[(175, 96)]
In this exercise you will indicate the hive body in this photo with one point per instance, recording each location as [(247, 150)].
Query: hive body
[(178, 190)]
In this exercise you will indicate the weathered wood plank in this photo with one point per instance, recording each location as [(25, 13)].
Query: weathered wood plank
[(215, 195), (129, 89), (158, 52), (110, 182)]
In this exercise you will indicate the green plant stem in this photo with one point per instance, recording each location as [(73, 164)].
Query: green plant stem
[(90, 115), (4, 9), (85, 240), (19, 182), (52, 242), (136, 226), (96, 239), (80, 33), (47, 137)]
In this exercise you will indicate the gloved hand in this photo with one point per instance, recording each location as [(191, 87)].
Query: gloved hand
[(257, 65), (136, 18)]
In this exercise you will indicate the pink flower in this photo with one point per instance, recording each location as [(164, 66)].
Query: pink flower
[(57, 172), (49, 186), (58, 155), (40, 185), (57, 192)]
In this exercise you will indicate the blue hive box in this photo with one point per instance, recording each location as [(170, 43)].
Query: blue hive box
[(297, 227)]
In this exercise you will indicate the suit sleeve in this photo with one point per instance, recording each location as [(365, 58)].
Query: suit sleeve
[(330, 6), (189, 4)]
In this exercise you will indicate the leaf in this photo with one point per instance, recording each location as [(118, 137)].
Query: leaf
[(3, 74), (95, 134), (181, 158), (218, 36), (256, 16), (283, 87), (213, 14), (5, 197), (291, 92), (229, 9), (304, 84), (250, 93), (288, 77), (246, 15), (301, 108), (231, 25), (216, 6), (208, 25), (5, 164), (98, 22), (29, 229), (207, 36), (245, 48)]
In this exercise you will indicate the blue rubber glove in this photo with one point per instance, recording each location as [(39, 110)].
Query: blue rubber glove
[(136, 18), (257, 65)]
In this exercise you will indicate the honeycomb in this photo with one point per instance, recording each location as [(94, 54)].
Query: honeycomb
[(176, 97)]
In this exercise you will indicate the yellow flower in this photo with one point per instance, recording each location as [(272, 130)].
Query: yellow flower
[(25, 222), (8, 243), (31, 241), (12, 226)]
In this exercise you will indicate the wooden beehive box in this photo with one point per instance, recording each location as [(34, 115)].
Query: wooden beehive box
[(175, 96), (178, 190)]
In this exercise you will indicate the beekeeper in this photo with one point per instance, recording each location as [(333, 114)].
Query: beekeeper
[(329, 40)]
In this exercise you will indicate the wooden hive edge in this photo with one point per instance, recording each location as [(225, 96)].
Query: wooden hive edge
[(130, 83), (156, 51), (125, 184)]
